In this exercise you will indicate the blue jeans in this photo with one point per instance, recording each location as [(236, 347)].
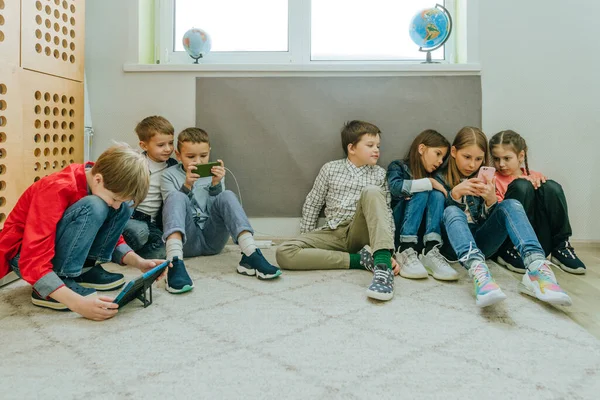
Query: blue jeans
[(226, 219), (473, 243), (145, 239), (88, 229), (408, 217)]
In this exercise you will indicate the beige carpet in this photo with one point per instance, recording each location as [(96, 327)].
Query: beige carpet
[(306, 335)]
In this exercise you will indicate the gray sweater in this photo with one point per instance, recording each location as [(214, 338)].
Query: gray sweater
[(201, 195)]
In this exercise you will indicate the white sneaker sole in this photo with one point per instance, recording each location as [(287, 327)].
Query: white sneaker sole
[(440, 277), (252, 272), (107, 286), (559, 299), (576, 271), (490, 299), (379, 296), (414, 275), (509, 266), (184, 289)]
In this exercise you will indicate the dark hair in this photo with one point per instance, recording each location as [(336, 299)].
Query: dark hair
[(429, 138), (354, 130), (153, 125), (466, 137), (511, 138), (194, 135)]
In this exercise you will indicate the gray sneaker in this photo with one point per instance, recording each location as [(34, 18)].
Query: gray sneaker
[(410, 266), (382, 286), (366, 260), (436, 265)]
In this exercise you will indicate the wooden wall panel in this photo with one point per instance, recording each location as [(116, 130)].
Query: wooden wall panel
[(52, 124), (10, 24), (52, 37), (11, 126)]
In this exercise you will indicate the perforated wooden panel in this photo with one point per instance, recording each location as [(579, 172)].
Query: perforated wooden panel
[(10, 23), (11, 124), (52, 39), (52, 124)]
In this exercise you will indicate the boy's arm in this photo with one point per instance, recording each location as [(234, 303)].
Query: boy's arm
[(170, 184), (314, 202)]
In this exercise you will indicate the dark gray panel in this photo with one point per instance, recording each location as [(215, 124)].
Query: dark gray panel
[(275, 133)]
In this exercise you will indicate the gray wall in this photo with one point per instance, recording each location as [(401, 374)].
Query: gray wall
[(275, 133)]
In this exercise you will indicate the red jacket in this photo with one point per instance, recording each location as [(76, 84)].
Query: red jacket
[(31, 226)]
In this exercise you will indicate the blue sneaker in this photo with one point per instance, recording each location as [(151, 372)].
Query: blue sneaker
[(257, 265), (49, 302), (100, 279), (511, 259), (178, 280), (564, 256)]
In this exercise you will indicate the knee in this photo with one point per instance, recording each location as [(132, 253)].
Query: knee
[(521, 188), (511, 205), (437, 196), (453, 213), (552, 187), (94, 207), (227, 196), (136, 234), (371, 191), (421, 196), (285, 253)]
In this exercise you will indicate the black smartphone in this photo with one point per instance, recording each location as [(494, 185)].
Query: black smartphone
[(204, 169)]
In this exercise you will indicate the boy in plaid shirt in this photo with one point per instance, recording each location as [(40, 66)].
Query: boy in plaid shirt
[(356, 197)]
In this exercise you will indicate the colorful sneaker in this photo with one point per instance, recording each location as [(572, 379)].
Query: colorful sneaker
[(100, 279), (540, 282), (437, 266), (410, 266), (564, 256), (510, 258), (257, 265), (178, 280), (49, 302), (382, 286), (366, 260), (487, 291)]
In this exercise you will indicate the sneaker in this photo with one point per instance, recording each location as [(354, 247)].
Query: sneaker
[(100, 279), (382, 286), (487, 291), (366, 260), (510, 258), (564, 256), (410, 266), (436, 265), (541, 284), (39, 301), (178, 280), (257, 265)]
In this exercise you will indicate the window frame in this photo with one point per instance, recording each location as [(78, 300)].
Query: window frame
[(299, 42)]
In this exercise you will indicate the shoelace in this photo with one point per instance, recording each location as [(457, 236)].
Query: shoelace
[(471, 252), (545, 271), (568, 250), (437, 257), (481, 273), (412, 256), (381, 276)]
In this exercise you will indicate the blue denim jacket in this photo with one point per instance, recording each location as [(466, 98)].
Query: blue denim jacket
[(399, 180), (476, 204)]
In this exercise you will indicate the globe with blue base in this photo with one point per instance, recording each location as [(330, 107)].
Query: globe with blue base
[(430, 28), (196, 43)]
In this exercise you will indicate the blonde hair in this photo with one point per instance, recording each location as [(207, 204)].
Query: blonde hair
[(467, 136), (124, 172), (150, 126)]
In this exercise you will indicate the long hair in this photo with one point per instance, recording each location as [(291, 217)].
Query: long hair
[(513, 139), (429, 138), (466, 137)]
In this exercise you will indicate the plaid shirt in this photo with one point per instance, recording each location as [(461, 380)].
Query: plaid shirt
[(338, 186)]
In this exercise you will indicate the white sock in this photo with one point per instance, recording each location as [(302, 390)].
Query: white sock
[(174, 249), (246, 243)]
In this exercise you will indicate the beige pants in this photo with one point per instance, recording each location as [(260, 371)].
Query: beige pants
[(329, 249)]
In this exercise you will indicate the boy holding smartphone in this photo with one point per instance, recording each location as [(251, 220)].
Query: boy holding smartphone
[(199, 215)]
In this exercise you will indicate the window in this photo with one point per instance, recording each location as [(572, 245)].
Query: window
[(296, 31)]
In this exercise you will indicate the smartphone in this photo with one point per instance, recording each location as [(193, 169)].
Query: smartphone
[(204, 169), (486, 174)]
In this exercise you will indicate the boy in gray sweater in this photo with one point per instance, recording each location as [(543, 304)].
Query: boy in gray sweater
[(199, 215)]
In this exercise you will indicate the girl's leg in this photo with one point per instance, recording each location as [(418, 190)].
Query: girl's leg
[(487, 292), (410, 265), (398, 215)]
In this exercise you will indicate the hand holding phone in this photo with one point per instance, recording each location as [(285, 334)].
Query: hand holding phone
[(486, 174), (204, 170)]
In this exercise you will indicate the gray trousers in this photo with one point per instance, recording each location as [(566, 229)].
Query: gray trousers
[(330, 248), (226, 219)]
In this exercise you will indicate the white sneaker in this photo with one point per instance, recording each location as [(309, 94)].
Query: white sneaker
[(436, 265), (410, 266), (541, 284)]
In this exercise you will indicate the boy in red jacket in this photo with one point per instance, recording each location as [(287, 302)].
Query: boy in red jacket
[(67, 223)]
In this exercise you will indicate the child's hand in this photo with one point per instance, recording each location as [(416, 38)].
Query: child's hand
[(488, 192), (218, 172), (438, 186), (471, 187), (535, 180), (97, 308), (395, 266), (190, 176)]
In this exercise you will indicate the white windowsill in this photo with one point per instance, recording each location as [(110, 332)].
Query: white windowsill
[(315, 69)]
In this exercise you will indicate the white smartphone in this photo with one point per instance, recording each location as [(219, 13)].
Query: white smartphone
[(486, 174)]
